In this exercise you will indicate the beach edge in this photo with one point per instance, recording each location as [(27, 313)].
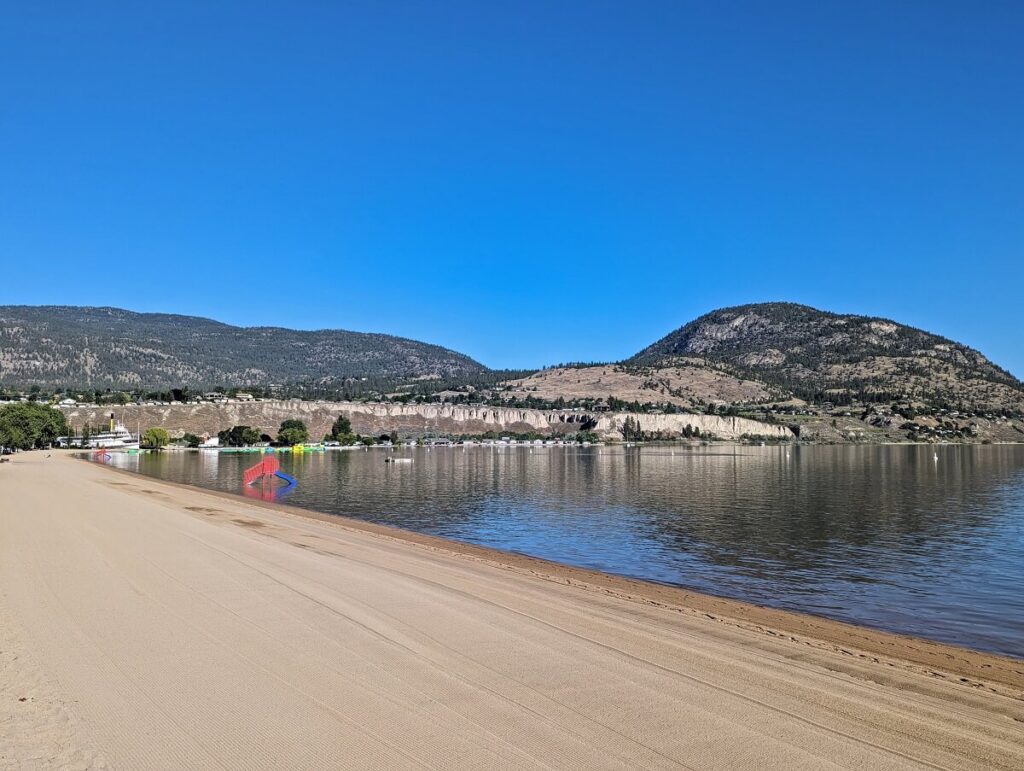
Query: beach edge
[(973, 669)]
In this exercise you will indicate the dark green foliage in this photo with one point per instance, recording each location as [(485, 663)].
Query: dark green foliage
[(341, 427), (292, 432), (30, 424), (341, 431), (631, 430), (239, 436)]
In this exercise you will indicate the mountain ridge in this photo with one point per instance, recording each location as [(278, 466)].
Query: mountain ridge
[(817, 354), (752, 353), (57, 345)]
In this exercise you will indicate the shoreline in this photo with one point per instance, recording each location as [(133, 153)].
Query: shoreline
[(149, 624), (937, 659)]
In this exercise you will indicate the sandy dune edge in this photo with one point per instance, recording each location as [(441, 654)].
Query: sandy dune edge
[(180, 629)]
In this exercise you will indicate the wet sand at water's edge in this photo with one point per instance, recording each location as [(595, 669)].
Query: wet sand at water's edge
[(150, 625)]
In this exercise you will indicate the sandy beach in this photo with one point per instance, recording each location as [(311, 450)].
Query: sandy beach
[(149, 625)]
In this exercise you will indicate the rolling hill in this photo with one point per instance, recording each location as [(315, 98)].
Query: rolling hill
[(817, 355), (750, 354), (114, 348)]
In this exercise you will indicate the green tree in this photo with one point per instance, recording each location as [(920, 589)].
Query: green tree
[(342, 427), (292, 432), (31, 424), (190, 440), (238, 436), (631, 429), (155, 437)]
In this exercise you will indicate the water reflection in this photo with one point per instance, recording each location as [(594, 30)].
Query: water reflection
[(886, 536), (268, 489)]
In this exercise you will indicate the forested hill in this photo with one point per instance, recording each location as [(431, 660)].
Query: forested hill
[(816, 354), (114, 348)]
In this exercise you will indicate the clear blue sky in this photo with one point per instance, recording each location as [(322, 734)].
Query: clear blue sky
[(527, 183)]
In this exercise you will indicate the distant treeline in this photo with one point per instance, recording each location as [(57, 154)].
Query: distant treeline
[(369, 388)]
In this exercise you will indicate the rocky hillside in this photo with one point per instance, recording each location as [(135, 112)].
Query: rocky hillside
[(818, 355), (684, 385), (113, 348)]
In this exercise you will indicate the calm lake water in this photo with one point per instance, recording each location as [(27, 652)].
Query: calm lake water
[(889, 537)]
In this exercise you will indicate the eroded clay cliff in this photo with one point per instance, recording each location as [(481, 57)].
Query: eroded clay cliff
[(406, 419)]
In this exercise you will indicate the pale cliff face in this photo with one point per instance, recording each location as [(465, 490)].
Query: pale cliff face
[(722, 427), (406, 419)]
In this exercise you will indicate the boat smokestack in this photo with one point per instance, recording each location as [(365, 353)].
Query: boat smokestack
[(111, 421)]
